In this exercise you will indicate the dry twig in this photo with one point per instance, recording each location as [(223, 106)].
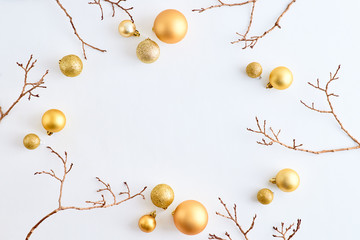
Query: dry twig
[(273, 137), (114, 4), (248, 41), (28, 87), (284, 231), (83, 42), (234, 218), (102, 203)]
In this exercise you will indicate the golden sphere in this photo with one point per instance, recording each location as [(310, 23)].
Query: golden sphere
[(265, 196), (31, 141), (148, 51), (127, 29), (280, 78), (287, 180), (190, 217), (53, 120), (147, 223), (170, 26), (162, 196), (71, 65), (254, 70)]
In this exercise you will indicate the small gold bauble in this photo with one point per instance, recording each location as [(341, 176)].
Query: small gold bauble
[(162, 196), (190, 217), (148, 51), (265, 196), (31, 141), (53, 120), (71, 65), (254, 70), (127, 29), (147, 223), (287, 180), (170, 26), (280, 78)]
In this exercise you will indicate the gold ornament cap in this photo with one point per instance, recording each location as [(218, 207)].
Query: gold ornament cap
[(287, 180)]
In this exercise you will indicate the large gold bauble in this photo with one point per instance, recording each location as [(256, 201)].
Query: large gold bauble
[(162, 196), (147, 223), (53, 120), (148, 51), (287, 180), (127, 29), (170, 26), (31, 141), (280, 78), (265, 196), (254, 70), (190, 217), (71, 65)]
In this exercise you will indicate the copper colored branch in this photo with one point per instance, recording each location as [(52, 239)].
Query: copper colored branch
[(270, 138), (83, 43), (102, 203), (222, 4), (113, 5), (28, 87), (284, 231)]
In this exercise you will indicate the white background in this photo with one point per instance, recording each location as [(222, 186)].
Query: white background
[(180, 121)]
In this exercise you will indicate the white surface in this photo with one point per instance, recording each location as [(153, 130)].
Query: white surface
[(181, 120)]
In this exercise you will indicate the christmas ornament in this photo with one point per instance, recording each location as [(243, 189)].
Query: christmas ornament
[(162, 196), (71, 65), (190, 217), (265, 196), (148, 51), (53, 120), (147, 223), (31, 141), (127, 29), (287, 180), (254, 70), (280, 78), (170, 26)]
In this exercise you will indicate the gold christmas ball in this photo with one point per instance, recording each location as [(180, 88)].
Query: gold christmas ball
[(190, 217), (53, 120), (280, 78), (71, 65), (31, 141), (127, 29), (148, 51), (254, 70), (170, 26), (162, 196), (287, 180), (147, 223), (265, 196)]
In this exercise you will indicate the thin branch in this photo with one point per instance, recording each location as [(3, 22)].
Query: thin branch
[(28, 87), (114, 4), (284, 231)]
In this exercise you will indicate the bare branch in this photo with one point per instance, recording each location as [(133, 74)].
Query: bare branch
[(114, 4)]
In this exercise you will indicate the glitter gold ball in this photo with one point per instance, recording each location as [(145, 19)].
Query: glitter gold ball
[(148, 51), (280, 78), (170, 26), (127, 29), (254, 70), (287, 180), (147, 223), (190, 217), (265, 196), (162, 196), (71, 65), (53, 120), (31, 141)]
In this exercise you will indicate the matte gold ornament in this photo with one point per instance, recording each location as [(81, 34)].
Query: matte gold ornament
[(53, 120), (147, 223), (265, 196), (170, 26), (280, 78), (71, 65), (127, 29), (162, 196), (148, 51), (190, 217), (254, 70), (287, 180), (31, 141)]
